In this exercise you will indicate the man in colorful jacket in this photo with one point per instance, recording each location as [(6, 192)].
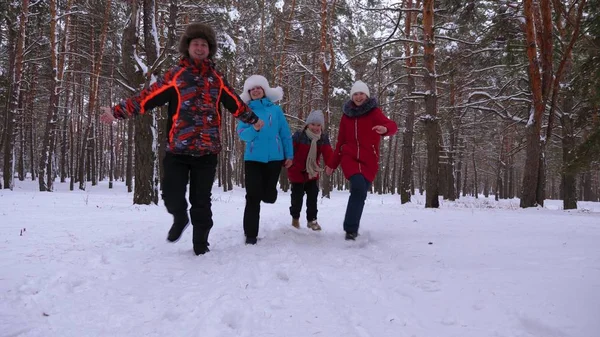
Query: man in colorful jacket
[(193, 90)]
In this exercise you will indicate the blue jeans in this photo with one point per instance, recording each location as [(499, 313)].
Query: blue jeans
[(359, 186)]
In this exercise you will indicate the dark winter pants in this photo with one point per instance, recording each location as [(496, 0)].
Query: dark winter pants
[(311, 188), (261, 185), (200, 172), (359, 187)]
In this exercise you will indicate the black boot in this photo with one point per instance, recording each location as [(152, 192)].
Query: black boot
[(201, 249), (200, 239), (251, 240), (180, 223), (351, 236)]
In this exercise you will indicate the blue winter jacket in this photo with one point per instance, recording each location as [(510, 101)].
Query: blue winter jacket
[(273, 141)]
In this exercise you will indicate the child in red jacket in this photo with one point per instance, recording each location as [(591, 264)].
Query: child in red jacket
[(362, 126), (309, 144)]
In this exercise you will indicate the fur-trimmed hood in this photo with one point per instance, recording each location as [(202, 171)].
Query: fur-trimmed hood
[(273, 94), (194, 31)]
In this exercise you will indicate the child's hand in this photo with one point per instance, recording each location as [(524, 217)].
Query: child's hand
[(328, 170), (380, 129), (107, 115), (287, 163), (258, 125)]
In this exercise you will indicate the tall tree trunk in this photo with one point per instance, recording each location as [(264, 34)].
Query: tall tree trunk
[(45, 172), (396, 178), (146, 187), (13, 104), (21, 132), (466, 178), (387, 180), (569, 178), (529, 197), (569, 183), (409, 123), (63, 144), (450, 179), (130, 152), (459, 168), (475, 190), (431, 121), (327, 63)]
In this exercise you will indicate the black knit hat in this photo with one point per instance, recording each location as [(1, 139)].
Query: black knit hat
[(194, 31)]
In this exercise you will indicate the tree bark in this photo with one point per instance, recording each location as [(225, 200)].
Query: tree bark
[(146, 187), (327, 63), (529, 197), (17, 73), (431, 121)]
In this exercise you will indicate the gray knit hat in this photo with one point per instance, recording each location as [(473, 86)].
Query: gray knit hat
[(316, 117)]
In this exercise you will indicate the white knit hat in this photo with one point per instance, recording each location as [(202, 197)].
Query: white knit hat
[(316, 117), (273, 94), (359, 86)]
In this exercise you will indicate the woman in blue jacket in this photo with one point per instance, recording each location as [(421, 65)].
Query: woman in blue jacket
[(268, 148)]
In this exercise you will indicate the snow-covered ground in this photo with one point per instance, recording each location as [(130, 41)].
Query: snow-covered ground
[(89, 263)]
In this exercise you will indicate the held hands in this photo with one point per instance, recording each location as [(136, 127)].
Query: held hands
[(328, 170), (380, 129), (287, 163), (107, 115), (258, 125)]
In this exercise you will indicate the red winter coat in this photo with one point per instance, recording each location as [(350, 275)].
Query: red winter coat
[(357, 147), (297, 172)]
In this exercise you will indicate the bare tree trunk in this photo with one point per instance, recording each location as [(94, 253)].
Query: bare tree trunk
[(538, 35), (459, 167), (466, 177), (396, 177), (431, 121), (451, 181), (511, 177), (387, 180), (130, 150), (72, 150), (146, 187), (17, 73), (45, 174), (20, 130), (327, 63), (569, 178), (63, 132), (408, 135), (475, 180)]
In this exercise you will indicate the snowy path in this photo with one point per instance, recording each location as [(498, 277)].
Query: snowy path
[(91, 264)]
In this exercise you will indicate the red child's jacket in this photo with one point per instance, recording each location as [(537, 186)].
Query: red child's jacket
[(297, 172), (357, 147)]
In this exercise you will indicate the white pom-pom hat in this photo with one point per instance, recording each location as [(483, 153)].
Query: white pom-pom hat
[(273, 94)]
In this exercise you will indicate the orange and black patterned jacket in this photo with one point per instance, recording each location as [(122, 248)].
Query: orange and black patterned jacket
[(193, 90)]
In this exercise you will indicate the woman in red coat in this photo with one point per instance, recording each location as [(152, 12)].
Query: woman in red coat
[(361, 127), (309, 144)]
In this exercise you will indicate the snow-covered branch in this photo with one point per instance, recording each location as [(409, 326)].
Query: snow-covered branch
[(299, 62), (442, 37), (499, 66), (380, 45)]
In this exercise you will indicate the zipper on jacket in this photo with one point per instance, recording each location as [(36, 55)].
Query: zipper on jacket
[(251, 146), (357, 144), (278, 147)]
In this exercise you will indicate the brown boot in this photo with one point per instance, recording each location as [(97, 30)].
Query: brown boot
[(296, 223), (314, 225)]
